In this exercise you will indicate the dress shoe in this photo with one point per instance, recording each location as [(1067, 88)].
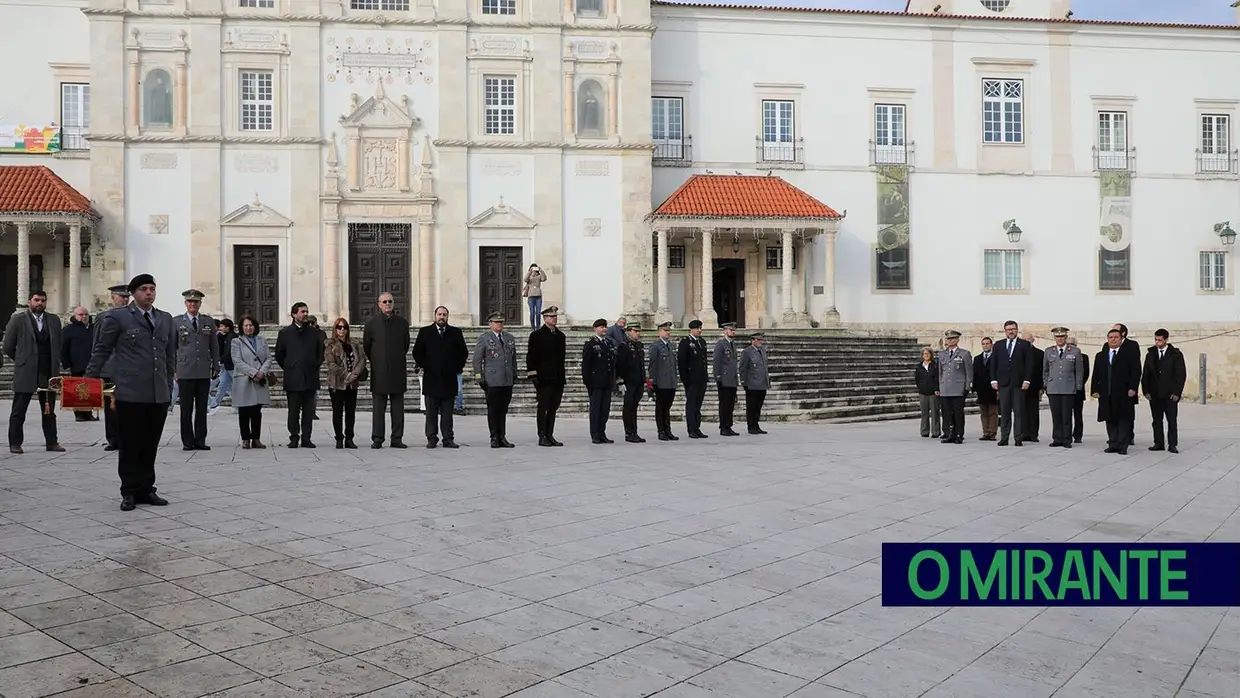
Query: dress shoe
[(191, 447), (340, 442), (255, 443), (672, 437), (348, 443), (245, 443), (293, 443), (496, 444), (698, 435), (128, 503), (553, 441), (1055, 444), (936, 436), (1157, 447), (432, 444), (1067, 444), (506, 443), (449, 443), (16, 449), (1123, 451), (544, 441), (664, 437), (607, 440), (1020, 443), (111, 447), (1172, 449), (959, 439), (307, 443), (1109, 449), (399, 444), (154, 500), (376, 444), (756, 431), (1003, 442), (596, 440), (947, 439), (634, 439), (1076, 441), (693, 435), (1032, 441), (729, 432), (56, 447), (202, 447)]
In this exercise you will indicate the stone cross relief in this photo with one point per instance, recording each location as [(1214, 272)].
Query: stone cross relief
[(379, 157)]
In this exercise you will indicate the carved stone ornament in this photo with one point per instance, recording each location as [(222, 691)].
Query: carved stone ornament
[(264, 40), (374, 59), (499, 47), (159, 224), (591, 48), (593, 168), (159, 161), (502, 167), (380, 164), (256, 163), (255, 215), (593, 227)]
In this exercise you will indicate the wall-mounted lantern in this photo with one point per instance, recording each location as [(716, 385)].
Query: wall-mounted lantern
[(1013, 230), (1225, 233)]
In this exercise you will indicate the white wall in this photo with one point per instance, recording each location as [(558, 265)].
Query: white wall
[(159, 192), (592, 264)]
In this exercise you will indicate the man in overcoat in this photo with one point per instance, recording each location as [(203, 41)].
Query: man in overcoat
[(1162, 382), (544, 365), (661, 375), (198, 363), (955, 379), (691, 365), (1063, 374), (987, 397), (724, 360), (32, 342), (1117, 378), (495, 369), (1012, 377), (631, 370), (300, 355), (385, 339), (441, 353), (755, 376)]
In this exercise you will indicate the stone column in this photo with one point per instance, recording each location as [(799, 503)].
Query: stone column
[(23, 263), (402, 163), (135, 92), (613, 97), (788, 317), (570, 105), (426, 270), (180, 114), (75, 265), (830, 316), (331, 271), (707, 314), (664, 312), (354, 154)]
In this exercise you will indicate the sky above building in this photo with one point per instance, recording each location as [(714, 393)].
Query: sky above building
[(1180, 11)]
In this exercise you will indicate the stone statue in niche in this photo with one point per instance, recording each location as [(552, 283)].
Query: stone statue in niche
[(157, 98), (380, 166)]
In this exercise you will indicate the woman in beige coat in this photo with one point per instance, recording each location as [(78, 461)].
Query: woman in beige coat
[(534, 278), (345, 361)]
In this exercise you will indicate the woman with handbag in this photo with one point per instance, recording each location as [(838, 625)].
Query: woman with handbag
[(534, 278), (346, 369), (252, 380)]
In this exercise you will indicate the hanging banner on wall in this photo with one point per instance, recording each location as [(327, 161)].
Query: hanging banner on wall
[(30, 139), (1116, 213), (892, 207)]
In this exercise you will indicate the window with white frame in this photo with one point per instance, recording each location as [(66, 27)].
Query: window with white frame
[(589, 8), (257, 100), (258, 4), (499, 105), (1213, 266), (1002, 270), (668, 127), (381, 5), (1003, 111), (74, 115), (1215, 143), (778, 130), (775, 257), (889, 134), (1112, 140), (499, 7)]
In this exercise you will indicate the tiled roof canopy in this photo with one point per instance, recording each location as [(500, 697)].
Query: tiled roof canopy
[(36, 189), (741, 196)]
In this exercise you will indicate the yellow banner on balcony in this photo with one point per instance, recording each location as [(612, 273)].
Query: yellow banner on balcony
[(30, 139)]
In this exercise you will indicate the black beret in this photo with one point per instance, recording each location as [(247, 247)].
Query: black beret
[(139, 281)]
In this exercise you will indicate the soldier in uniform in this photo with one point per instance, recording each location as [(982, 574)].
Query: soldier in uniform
[(598, 372), (755, 376), (120, 299), (198, 363), (955, 380), (661, 377), (1063, 374), (544, 364), (631, 370), (495, 369), (141, 343), (691, 364), (725, 368)]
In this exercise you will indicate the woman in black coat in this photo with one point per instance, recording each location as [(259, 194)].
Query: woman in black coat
[(926, 375)]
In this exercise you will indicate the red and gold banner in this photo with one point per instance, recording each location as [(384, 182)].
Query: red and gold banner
[(80, 394)]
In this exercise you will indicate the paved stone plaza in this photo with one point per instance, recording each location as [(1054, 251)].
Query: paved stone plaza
[(744, 567)]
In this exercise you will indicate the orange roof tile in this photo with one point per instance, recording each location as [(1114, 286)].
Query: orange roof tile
[(741, 196), (36, 189)]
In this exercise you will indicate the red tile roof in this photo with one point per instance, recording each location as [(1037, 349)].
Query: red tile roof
[(705, 4), (741, 196), (36, 189)]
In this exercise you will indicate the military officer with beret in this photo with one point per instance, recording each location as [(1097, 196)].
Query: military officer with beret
[(691, 363), (661, 377), (631, 370), (724, 360), (755, 376), (1063, 374), (198, 363), (955, 380), (120, 299), (544, 365), (598, 372), (495, 369)]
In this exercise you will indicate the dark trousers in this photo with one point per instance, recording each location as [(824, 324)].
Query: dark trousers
[(498, 399), (695, 394), (1078, 416), (1163, 407), (111, 431), (193, 397), (1011, 411), (1119, 433), (17, 418), (549, 397), (1061, 417), (600, 410), (300, 413), (439, 418), (990, 419), (380, 405), (663, 398), (250, 419), (632, 398), (953, 415), (1033, 413), (141, 428), (727, 406), (753, 406), (344, 412)]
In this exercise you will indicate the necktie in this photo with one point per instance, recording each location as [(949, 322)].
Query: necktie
[(195, 321), (1061, 352), (1160, 354), (441, 331), (1112, 356), (952, 355), (501, 340), (146, 314), (1011, 346)]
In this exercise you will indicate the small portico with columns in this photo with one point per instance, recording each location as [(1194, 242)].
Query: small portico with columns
[(741, 229)]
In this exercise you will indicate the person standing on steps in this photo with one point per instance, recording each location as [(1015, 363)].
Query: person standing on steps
[(385, 339), (534, 278), (598, 372), (111, 429), (495, 369), (661, 378), (1063, 374), (544, 365), (441, 353), (252, 365), (300, 354), (198, 363), (1078, 402), (140, 343), (755, 377), (987, 397), (1012, 376), (691, 364), (631, 369), (1117, 378), (1162, 383), (345, 360), (725, 360), (32, 343)]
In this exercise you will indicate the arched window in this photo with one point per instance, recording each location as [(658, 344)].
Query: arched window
[(157, 98), (590, 109), (589, 8)]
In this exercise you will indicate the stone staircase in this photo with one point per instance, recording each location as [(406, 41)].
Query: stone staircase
[(816, 375)]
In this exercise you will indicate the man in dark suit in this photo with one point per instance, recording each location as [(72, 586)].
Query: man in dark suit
[(1117, 377), (1033, 396), (1162, 383), (1078, 405), (441, 353), (544, 365), (1132, 350), (691, 358), (299, 351), (987, 397), (32, 342), (1011, 377)]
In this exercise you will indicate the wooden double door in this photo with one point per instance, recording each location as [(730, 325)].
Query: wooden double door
[(501, 272), (379, 262), (256, 284)]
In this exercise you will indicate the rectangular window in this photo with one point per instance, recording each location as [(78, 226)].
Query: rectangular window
[(257, 100), (1213, 271), (889, 134), (668, 128), (778, 130), (499, 7), (381, 5), (1215, 143), (500, 110), (589, 8), (74, 115), (1114, 270), (1003, 111), (892, 272), (775, 257), (1112, 140), (1002, 270), (259, 4), (675, 256)]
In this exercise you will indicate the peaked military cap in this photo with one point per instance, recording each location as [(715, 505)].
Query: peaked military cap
[(551, 310), (666, 326), (695, 324), (1060, 331), (193, 295), (495, 317), (633, 328), (757, 335), (599, 323), (728, 326), (951, 334), (119, 289)]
